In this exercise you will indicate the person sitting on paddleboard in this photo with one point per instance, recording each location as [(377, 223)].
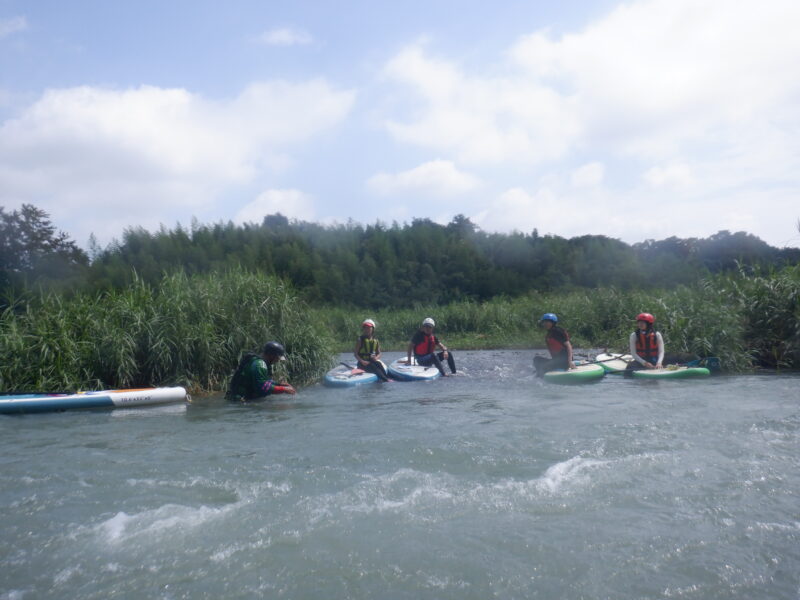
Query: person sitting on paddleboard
[(646, 345), (423, 345), (368, 351), (253, 378), (557, 340)]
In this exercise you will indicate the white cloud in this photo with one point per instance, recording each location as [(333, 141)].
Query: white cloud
[(657, 74), (648, 79), (290, 203), (675, 175), (12, 25), (690, 103), (285, 36), (480, 119), (129, 154), (588, 175), (434, 178)]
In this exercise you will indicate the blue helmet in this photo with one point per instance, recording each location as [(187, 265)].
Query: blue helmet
[(549, 317)]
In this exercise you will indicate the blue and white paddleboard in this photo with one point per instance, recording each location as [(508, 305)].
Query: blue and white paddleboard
[(344, 376), (402, 371), (28, 403)]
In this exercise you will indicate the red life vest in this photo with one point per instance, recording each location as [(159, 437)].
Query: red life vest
[(426, 346), (556, 346), (647, 344)]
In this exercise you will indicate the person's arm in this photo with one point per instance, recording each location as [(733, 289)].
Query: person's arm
[(267, 385), (377, 350), (660, 341), (409, 351), (568, 346), (441, 345)]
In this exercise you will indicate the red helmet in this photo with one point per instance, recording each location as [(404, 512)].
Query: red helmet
[(646, 317)]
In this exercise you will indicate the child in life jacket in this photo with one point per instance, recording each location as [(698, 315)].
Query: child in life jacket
[(368, 351), (423, 345), (557, 340), (646, 345)]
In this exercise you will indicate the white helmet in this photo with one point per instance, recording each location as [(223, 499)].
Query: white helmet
[(369, 322), (428, 321)]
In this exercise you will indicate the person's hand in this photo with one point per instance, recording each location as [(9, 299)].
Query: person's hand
[(659, 366), (570, 365), (285, 389)]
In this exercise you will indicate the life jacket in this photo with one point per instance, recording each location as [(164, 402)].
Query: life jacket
[(368, 346), (647, 344), (556, 346), (426, 346)]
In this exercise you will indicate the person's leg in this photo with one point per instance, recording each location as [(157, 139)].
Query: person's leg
[(545, 365), (451, 362), (632, 366), (377, 368), (427, 360)]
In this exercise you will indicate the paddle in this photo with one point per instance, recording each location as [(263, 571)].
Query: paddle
[(605, 360)]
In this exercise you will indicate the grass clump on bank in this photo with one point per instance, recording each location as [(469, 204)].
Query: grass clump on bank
[(186, 331)]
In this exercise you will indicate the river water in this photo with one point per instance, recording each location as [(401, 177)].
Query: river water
[(489, 484)]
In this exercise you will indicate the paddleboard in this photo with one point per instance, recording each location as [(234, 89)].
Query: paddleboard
[(402, 371), (613, 363), (344, 376), (672, 372), (29, 403), (580, 374)]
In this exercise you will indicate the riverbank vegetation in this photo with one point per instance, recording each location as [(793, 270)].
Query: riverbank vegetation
[(186, 330), (179, 307), (746, 320), (191, 330)]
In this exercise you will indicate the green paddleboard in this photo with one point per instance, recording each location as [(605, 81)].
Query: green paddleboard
[(580, 374), (670, 372)]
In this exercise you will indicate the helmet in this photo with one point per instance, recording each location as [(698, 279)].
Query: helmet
[(275, 349), (369, 322), (646, 317), (429, 321), (549, 317)]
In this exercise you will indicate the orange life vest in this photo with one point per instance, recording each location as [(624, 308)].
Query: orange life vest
[(554, 345), (647, 344), (426, 346)]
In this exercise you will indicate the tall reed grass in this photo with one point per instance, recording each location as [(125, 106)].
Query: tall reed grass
[(745, 320), (186, 331), (191, 331)]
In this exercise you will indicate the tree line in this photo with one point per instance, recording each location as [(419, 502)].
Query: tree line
[(377, 265)]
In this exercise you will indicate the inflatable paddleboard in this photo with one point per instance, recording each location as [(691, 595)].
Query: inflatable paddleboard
[(580, 374), (402, 371), (613, 363), (29, 403), (672, 372), (344, 376)]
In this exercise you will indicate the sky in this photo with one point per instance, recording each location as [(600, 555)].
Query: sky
[(637, 120)]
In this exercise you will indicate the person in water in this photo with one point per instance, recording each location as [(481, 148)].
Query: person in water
[(557, 340), (253, 378), (423, 345), (368, 351), (646, 345)]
